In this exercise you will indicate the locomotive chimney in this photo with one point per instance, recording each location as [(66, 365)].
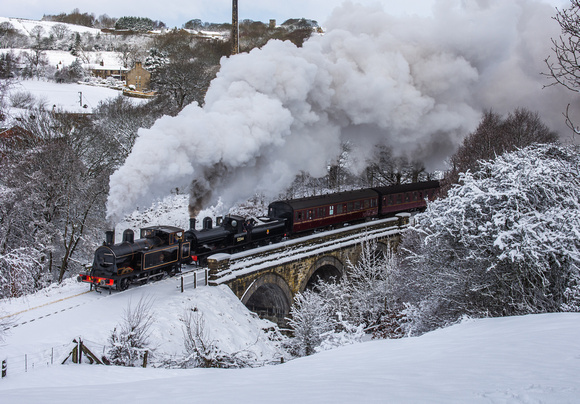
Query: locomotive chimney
[(235, 28), (207, 223), (110, 237), (128, 236), (191, 223)]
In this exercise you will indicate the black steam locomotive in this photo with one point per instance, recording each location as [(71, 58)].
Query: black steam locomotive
[(163, 249)]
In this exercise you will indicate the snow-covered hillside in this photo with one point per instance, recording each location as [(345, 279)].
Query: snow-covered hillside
[(530, 359), (25, 26)]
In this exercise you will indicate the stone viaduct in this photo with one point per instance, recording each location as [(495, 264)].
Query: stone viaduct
[(266, 279)]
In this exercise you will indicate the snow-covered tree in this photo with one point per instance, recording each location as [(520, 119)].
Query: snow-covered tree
[(155, 60), (310, 318), (368, 284), (55, 181), (201, 351), (339, 312), (21, 272), (70, 74), (130, 340), (504, 242)]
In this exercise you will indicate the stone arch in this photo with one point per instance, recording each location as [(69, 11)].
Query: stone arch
[(382, 247), (270, 297), (326, 267)]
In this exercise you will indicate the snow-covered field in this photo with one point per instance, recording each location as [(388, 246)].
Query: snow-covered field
[(67, 97), (530, 359), (25, 26), (62, 58)]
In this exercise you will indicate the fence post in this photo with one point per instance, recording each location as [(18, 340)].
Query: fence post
[(4, 368), (195, 280), (206, 280), (182, 284), (145, 359), (26, 362), (80, 351)]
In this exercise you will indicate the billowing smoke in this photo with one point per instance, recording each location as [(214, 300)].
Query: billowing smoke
[(416, 84)]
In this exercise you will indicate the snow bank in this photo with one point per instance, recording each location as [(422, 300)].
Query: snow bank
[(527, 359)]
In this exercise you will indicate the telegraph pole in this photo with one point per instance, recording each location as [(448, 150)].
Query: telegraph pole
[(235, 29)]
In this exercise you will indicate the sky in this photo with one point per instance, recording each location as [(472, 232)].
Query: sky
[(174, 13)]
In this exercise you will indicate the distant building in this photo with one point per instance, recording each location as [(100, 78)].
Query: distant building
[(138, 78), (119, 73)]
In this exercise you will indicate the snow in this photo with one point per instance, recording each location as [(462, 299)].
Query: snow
[(111, 60), (67, 96), (530, 359), (527, 359), (25, 26)]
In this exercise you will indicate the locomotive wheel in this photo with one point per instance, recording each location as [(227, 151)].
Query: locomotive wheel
[(124, 284)]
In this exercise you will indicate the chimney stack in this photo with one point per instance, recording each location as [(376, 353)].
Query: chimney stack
[(235, 29)]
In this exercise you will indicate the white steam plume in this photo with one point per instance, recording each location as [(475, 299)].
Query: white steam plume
[(416, 84)]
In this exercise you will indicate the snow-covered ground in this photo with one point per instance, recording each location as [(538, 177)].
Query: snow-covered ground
[(25, 26), (60, 58), (68, 97), (530, 359)]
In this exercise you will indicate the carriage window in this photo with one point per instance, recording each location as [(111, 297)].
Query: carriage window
[(367, 203), (320, 212), (414, 196), (399, 198), (331, 210), (357, 205), (373, 203), (349, 207), (407, 197), (338, 208), (309, 214)]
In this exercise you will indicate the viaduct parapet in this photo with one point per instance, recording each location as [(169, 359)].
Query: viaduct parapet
[(266, 279)]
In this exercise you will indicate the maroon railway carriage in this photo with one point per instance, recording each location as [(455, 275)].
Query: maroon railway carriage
[(326, 210), (406, 197), (323, 211)]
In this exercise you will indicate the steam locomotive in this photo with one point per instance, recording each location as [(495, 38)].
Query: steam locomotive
[(163, 249)]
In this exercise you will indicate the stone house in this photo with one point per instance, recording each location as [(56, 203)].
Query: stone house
[(119, 73), (138, 78)]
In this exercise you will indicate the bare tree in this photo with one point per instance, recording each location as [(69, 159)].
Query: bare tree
[(59, 31), (183, 81), (129, 54), (386, 169), (565, 68), (495, 136)]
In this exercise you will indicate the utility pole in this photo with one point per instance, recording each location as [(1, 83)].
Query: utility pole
[(81, 98), (235, 29)]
